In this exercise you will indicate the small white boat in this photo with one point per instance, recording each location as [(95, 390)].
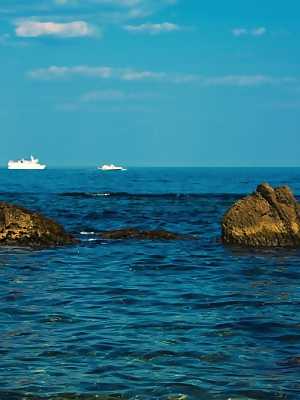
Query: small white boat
[(33, 163), (111, 167)]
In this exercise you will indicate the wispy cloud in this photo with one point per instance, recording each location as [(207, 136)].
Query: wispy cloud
[(259, 31), (113, 96), (6, 39), (116, 3), (55, 72), (103, 72), (103, 108), (105, 11), (111, 99), (284, 105), (102, 95), (247, 80), (132, 75), (73, 29), (153, 29), (128, 74)]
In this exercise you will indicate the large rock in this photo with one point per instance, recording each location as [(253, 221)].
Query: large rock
[(133, 233), (21, 227), (267, 218)]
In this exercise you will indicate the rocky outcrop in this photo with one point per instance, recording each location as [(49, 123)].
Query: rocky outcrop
[(267, 218), (133, 233), (21, 227)]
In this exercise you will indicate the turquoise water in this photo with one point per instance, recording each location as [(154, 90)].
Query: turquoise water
[(147, 320)]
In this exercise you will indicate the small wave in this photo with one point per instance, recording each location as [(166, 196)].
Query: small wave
[(127, 195), (18, 395), (84, 194), (168, 196)]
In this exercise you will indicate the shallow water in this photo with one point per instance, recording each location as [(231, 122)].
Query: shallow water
[(147, 320)]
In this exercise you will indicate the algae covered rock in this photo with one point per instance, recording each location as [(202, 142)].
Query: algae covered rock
[(270, 217), (21, 227)]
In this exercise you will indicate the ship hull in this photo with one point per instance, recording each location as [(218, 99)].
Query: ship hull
[(15, 166), (112, 169)]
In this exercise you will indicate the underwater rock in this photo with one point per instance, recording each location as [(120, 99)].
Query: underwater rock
[(21, 227), (270, 217), (291, 362), (133, 233)]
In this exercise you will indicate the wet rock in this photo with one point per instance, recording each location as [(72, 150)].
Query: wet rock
[(291, 362), (270, 217), (133, 233), (179, 396), (21, 227)]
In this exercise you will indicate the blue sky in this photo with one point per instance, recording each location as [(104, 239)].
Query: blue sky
[(151, 82)]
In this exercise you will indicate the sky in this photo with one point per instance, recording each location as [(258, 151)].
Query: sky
[(150, 82)]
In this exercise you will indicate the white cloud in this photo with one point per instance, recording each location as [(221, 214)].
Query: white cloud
[(117, 3), (113, 96), (234, 80), (259, 31), (132, 75), (127, 74), (124, 3), (55, 72), (68, 30), (103, 95), (110, 99), (153, 29), (62, 2), (239, 31), (110, 10), (245, 80)]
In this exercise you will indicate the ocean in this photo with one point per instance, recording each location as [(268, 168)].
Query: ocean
[(129, 319)]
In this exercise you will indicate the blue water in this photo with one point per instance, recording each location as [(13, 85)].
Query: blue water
[(146, 320)]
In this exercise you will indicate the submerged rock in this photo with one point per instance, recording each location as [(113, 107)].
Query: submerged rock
[(133, 233), (291, 362), (267, 218), (21, 227)]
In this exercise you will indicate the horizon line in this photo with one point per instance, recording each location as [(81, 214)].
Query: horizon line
[(164, 166)]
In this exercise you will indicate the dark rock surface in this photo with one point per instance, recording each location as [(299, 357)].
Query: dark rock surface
[(133, 233), (21, 227), (291, 362), (270, 217)]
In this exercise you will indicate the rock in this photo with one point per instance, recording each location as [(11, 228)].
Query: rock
[(291, 362), (133, 233), (267, 218), (21, 227)]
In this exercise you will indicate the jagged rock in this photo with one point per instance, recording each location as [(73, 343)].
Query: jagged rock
[(267, 218), (21, 227), (133, 233)]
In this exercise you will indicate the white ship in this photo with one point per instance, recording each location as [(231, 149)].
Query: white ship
[(111, 167), (33, 163)]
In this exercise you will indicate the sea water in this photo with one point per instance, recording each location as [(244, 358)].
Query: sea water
[(186, 319)]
